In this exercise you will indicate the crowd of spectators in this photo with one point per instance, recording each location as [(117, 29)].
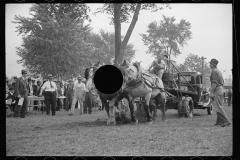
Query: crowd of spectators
[(64, 89)]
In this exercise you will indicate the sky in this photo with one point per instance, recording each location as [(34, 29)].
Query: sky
[(211, 27)]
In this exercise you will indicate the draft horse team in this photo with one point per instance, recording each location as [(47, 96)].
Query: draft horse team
[(136, 83)]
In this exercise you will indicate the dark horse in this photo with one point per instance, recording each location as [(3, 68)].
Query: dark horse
[(112, 98)]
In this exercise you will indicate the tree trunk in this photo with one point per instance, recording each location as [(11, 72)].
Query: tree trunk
[(129, 31), (117, 25)]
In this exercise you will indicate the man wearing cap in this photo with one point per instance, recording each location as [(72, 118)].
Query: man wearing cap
[(79, 94), (21, 91), (217, 90), (50, 94)]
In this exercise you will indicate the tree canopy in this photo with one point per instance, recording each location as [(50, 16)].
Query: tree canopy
[(194, 63), (103, 48), (121, 12), (167, 37), (54, 39)]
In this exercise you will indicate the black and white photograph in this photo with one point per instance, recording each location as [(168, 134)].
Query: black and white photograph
[(119, 79)]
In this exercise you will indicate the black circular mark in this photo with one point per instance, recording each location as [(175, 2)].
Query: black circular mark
[(49, 158), (20, 158), (79, 158), (108, 79), (137, 158), (108, 158), (225, 158), (196, 158)]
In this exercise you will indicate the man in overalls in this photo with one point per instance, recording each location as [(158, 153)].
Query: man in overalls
[(217, 90)]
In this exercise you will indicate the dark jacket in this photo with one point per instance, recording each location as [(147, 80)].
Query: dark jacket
[(21, 87), (34, 90), (70, 91)]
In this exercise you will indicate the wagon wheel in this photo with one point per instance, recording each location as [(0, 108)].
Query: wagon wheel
[(210, 109)]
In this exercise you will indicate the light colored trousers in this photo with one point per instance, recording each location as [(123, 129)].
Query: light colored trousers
[(80, 104), (222, 117)]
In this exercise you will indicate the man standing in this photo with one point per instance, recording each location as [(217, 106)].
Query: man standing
[(88, 96), (79, 93), (69, 95), (217, 90), (50, 94), (21, 91)]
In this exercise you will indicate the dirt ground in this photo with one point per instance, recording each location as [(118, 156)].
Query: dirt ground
[(88, 135)]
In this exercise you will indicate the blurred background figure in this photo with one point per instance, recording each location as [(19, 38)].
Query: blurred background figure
[(30, 93), (59, 94), (229, 97), (69, 95), (79, 94)]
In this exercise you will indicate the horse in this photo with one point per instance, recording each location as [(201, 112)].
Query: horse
[(139, 83), (112, 98)]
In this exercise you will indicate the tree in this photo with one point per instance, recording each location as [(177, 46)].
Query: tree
[(102, 45), (194, 63), (121, 13), (54, 39), (182, 68), (167, 37)]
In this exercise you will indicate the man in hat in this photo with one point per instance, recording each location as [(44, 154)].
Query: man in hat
[(21, 91), (158, 66), (217, 82), (50, 89), (79, 94)]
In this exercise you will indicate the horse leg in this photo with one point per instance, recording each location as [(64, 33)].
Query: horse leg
[(147, 109), (153, 108), (163, 105), (112, 115), (131, 107), (106, 106)]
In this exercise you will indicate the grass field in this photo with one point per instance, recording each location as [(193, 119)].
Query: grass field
[(88, 135)]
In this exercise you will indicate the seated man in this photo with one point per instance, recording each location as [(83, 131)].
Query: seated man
[(10, 103)]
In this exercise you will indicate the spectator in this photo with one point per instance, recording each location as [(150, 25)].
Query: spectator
[(7, 89), (225, 95), (59, 94), (69, 95), (14, 81), (79, 94), (30, 93), (21, 91), (50, 94), (229, 97), (217, 82), (10, 102), (64, 93)]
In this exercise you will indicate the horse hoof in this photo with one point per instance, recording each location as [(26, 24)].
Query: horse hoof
[(114, 123)]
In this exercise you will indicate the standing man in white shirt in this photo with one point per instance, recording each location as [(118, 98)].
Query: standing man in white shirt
[(50, 94), (79, 91)]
